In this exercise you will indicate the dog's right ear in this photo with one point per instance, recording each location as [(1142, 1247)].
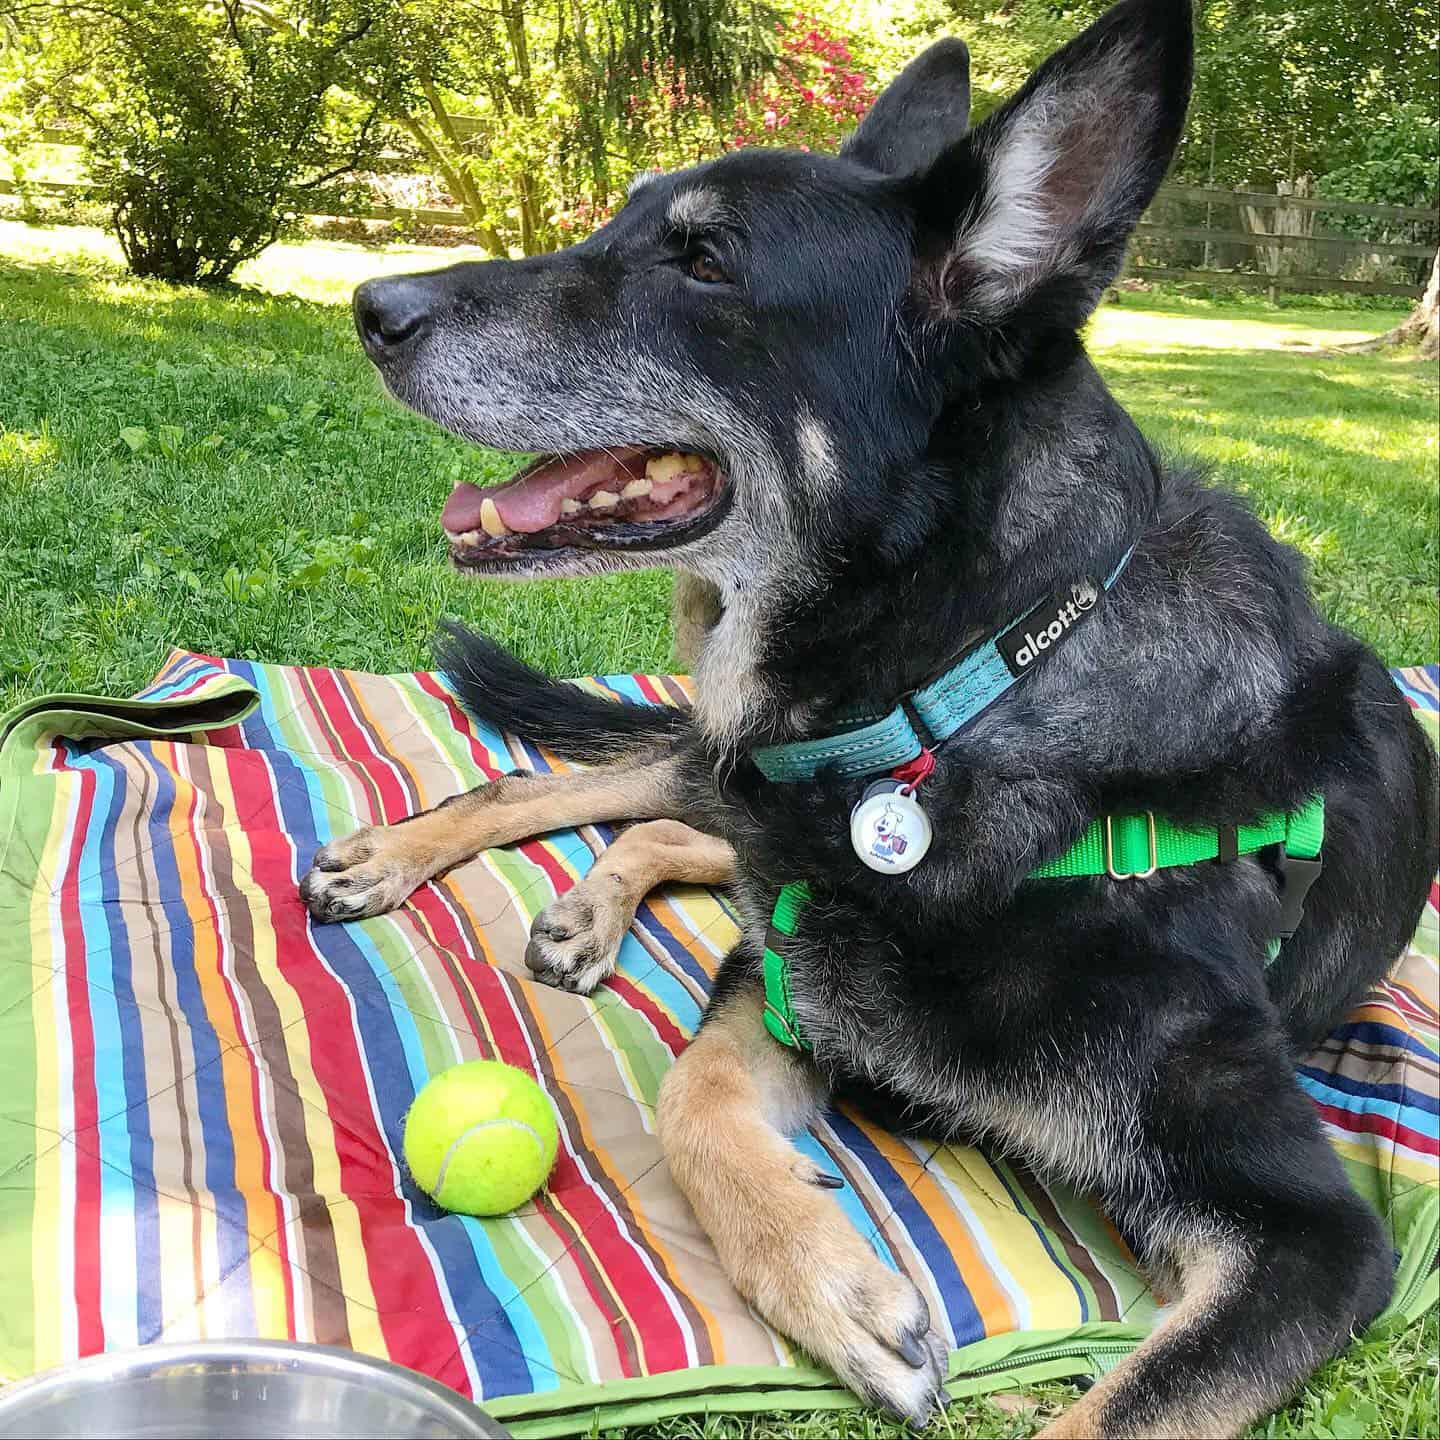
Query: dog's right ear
[(919, 115)]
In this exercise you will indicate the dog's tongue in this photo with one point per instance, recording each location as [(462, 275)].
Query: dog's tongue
[(532, 501)]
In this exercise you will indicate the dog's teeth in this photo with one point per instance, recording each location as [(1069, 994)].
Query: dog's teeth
[(570, 507), (660, 468), (604, 500), (635, 489), (464, 537), (490, 521)]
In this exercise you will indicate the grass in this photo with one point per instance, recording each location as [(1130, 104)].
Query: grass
[(221, 472)]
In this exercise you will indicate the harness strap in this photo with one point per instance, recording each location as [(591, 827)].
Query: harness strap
[(780, 1018), (1124, 847)]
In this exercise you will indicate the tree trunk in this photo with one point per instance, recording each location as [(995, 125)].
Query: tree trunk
[(1422, 324)]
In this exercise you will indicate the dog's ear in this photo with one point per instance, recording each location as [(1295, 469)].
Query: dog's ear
[(919, 115), (1054, 181)]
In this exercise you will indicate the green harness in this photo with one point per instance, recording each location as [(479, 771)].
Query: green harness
[(1124, 847)]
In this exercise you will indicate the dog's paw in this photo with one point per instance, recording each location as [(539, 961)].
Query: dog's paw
[(366, 873), (876, 1336), (575, 940)]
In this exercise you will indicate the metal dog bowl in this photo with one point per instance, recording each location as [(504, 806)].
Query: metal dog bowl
[(217, 1389)]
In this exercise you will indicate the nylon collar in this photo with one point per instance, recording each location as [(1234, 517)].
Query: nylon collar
[(868, 742)]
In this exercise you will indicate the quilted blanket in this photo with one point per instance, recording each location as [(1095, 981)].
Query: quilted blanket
[(201, 1094)]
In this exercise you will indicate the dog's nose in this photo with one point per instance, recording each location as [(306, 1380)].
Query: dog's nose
[(391, 313)]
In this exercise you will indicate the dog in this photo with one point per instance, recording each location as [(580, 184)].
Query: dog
[(846, 399)]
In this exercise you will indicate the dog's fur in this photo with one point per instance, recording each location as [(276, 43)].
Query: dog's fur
[(916, 450)]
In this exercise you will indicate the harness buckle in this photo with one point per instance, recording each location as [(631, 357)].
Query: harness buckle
[(1296, 876), (1109, 852)]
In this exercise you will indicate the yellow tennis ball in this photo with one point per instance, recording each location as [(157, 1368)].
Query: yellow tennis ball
[(480, 1138)]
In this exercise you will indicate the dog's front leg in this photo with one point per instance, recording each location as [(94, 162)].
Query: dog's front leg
[(374, 869), (576, 938), (782, 1239)]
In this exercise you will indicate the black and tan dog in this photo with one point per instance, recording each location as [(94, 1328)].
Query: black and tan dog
[(845, 398)]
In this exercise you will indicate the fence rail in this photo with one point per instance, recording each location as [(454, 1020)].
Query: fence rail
[(1165, 248)]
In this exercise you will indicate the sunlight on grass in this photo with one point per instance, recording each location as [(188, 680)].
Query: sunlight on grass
[(23, 452), (1115, 328)]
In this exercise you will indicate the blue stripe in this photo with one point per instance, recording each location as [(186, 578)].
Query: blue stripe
[(144, 1200), (1401, 1095), (183, 678), (964, 1317), (1411, 1119), (672, 945), (1368, 1032), (232, 1235)]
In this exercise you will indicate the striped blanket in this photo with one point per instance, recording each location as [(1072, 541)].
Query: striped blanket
[(201, 1094)]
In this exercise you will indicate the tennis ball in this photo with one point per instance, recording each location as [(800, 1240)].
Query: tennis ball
[(480, 1137)]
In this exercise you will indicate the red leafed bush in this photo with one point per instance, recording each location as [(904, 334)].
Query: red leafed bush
[(817, 94)]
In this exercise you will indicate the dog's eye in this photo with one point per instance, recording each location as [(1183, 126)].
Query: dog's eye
[(705, 268)]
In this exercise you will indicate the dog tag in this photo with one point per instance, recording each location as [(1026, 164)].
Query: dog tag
[(889, 830)]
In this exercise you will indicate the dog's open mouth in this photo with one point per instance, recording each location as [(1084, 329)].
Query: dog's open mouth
[(633, 498)]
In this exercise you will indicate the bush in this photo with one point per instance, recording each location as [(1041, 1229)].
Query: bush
[(209, 127)]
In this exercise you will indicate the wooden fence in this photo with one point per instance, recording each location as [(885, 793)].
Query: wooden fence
[(1191, 233)]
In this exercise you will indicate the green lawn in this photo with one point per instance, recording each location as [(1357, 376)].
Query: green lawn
[(222, 472)]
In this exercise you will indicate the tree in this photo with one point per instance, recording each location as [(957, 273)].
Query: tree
[(207, 128), (1421, 326), (1282, 87), (524, 108)]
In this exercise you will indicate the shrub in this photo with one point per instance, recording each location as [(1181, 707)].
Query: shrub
[(209, 127)]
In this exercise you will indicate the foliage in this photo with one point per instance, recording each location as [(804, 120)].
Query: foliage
[(205, 126), (532, 115), (1394, 161), (1282, 87), (523, 109)]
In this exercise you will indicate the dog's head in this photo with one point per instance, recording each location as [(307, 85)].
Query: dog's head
[(747, 363)]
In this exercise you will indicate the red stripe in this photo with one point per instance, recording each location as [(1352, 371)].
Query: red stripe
[(411, 1313), (1369, 1123), (616, 1253), (352, 742), (536, 851), (648, 690), (198, 683), (89, 1326)]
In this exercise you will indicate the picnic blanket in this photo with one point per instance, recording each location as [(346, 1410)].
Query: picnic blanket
[(201, 1094)]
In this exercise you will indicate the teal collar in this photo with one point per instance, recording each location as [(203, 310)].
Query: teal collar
[(868, 742)]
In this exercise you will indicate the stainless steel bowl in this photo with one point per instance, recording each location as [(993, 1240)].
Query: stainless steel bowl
[(237, 1388)]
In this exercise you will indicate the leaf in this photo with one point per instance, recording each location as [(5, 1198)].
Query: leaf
[(1348, 1425), (137, 437), (170, 437), (278, 413)]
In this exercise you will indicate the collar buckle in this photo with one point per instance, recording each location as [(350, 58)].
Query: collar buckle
[(1108, 846)]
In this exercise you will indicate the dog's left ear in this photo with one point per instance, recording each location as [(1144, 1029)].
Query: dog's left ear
[(922, 112), (1053, 183)]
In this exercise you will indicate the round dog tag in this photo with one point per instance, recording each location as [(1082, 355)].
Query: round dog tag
[(889, 830)]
